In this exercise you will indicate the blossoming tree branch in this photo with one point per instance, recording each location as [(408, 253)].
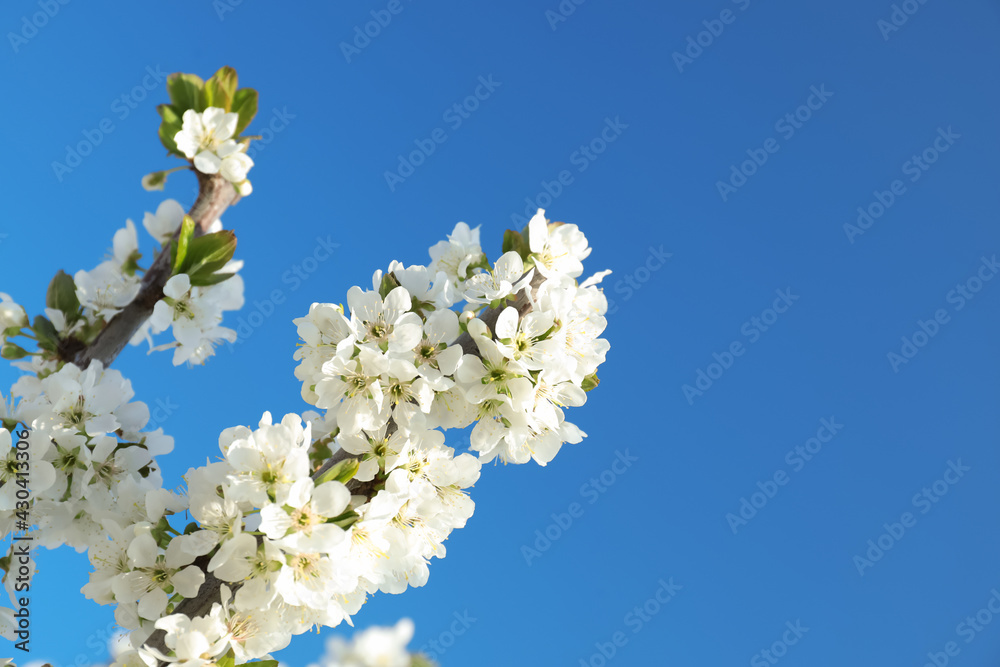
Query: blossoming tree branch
[(303, 518)]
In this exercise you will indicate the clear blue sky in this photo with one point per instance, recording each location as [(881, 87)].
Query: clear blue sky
[(880, 97)]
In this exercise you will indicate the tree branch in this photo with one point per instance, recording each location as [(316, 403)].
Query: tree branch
[(215, 195)]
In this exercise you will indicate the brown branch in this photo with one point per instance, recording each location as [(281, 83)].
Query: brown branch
[(215, 194)]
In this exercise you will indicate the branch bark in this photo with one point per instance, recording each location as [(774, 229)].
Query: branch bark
[(215, 195)]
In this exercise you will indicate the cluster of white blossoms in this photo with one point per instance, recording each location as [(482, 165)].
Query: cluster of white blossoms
[(206, 138), (295, 542), (397, 353), (92, 475), (193, 313), (373, 647)]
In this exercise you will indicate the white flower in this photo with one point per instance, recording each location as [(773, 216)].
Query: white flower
[(375, 647), (195, 313), (453, 260), (507, 278), (155, 572), (354, 388), (163, 224), (206, 139), (377, 451), (558, 249), (436, 349), (125, 243), (267, 462), (304, 529), (196, 642), (386, 324), (523, 340), (11, 314), (106, 290), (205, 131), (228, 159)]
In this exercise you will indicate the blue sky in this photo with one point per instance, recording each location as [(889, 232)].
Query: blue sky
[(727, 205)]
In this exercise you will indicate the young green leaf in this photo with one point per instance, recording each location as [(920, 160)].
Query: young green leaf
[(179, 248), (45, 332), (61, 294), (341, 472), (202, 280), (245, 104), (187, 91), (209, 253), (221, 88)]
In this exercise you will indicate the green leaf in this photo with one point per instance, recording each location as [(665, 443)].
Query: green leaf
[(11, 351), (203, 280), (209, 253), (389, 283), (170, 114), (131, 263), (341, 472), (45, 331), (228, 660), (345, 520), (62, 294), (171, 125), (245, 104), (179, 249), (515, 241), (221, 88), (187, 91), (261, 663), (590, 382)]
